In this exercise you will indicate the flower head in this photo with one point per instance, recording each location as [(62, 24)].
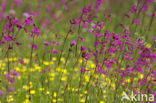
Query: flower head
[(46, 43)]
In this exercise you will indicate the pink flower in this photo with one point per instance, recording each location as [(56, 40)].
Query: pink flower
[(149, 0), (83, 70), (54, 51), (21, 61), (84, 48), (137, 21), (55, 42), (18, 3), (1, 92), (15, 73), (18, 43), (11, 89), (73, 43), (36, 31), (29, 21), (34, 46), (46, 43)]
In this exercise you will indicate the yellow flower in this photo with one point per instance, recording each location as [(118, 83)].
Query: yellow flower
[(54, 100), (60, 100), (10, 98), (64, 71), (54, 59), (41, 89), (148, 45), (32, 92), (27, 96), (73, 89), (92, 65), (26, 101), (58, 69), (26, 87), (64, 78), (55, 94), (46, 63), (87, 78), (51, 79), (48, 92), (82, 100), (85, 92), (128, 80), (113, 85), (101, 101), (123, 83), (26, 61), (80, 60), (17, 69), (95, 75), (38, 68), (63, 60), (141, 76), (122, 68), (76, 69)]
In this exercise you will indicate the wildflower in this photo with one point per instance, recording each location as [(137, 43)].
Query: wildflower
[(63, 78), (9, 38), (83, 70), (54, 100), (18, 3), (82, 100), (55, 94), (21, 61), (11, 89), (148, 45), (29, 21), (55, 42), (141, 76), (84, 48), (137, 21), (46, 43), (18, 44), (36, 31), (15, 73), (141, 70), (48, 92), (41, 89), (149, 0), (34, 46), (73, 43), (32, 92), (54, 51), (133, 10), (1, 92), (60, 100), (26, 87)]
